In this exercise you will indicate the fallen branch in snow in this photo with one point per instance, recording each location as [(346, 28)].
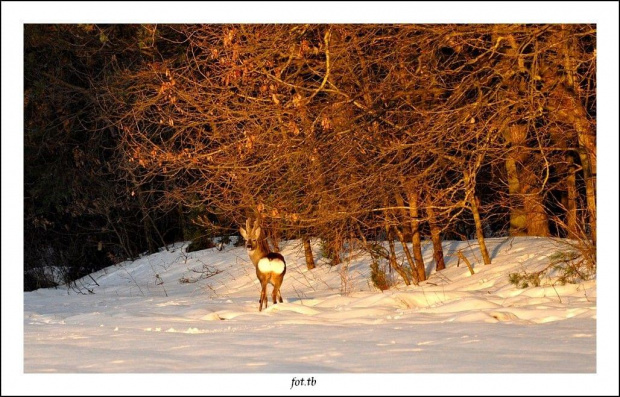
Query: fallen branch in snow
[(206, 272), (73, 285), (461, 256)]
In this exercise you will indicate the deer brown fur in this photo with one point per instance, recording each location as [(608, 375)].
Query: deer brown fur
[(270, 266)]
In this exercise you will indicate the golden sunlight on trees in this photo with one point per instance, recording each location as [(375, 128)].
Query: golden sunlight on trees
[(347, 133)]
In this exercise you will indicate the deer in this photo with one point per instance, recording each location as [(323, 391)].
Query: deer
[(270, 266)]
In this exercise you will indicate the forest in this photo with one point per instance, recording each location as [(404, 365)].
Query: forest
[(375, 136)]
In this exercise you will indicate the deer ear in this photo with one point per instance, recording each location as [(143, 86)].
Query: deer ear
[(257, 232), (244, 234)]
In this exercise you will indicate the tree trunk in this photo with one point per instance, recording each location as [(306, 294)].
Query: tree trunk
[(416, 241), (571, 204), (402, 217), (585, 133), (590, 178), (536, 215), (564, 103), (403, 243), (568, 108), (518, 223), (392, 259), (436, 237), (392, 264), (335, 246), (308, 252), (473, 202), (473, 205), (274, 238), (527, 211)]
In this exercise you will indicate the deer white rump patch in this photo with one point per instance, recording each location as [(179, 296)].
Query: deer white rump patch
[(270, 266)]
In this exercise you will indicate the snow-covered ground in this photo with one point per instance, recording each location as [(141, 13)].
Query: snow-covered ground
[(162, 314), (149, 316)]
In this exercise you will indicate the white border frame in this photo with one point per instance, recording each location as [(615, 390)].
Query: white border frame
[(15, 14)]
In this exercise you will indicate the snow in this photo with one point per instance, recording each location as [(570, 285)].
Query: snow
[(141, 318), (144, 317)]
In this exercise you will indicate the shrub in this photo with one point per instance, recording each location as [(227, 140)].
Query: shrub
[(378, 276), (572, 267), (524, 279), (200, 243), (327, 251), (37, 278), (566, 267)]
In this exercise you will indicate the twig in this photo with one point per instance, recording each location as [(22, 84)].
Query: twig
[(94, 281), (461, 256), (327, 66), (133, 279), (556, 292)]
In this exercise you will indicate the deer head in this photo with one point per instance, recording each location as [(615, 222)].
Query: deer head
[(251, 235)]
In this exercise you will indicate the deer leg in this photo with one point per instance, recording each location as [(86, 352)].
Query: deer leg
[(263, 300), (263, 295), (276, 290)]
